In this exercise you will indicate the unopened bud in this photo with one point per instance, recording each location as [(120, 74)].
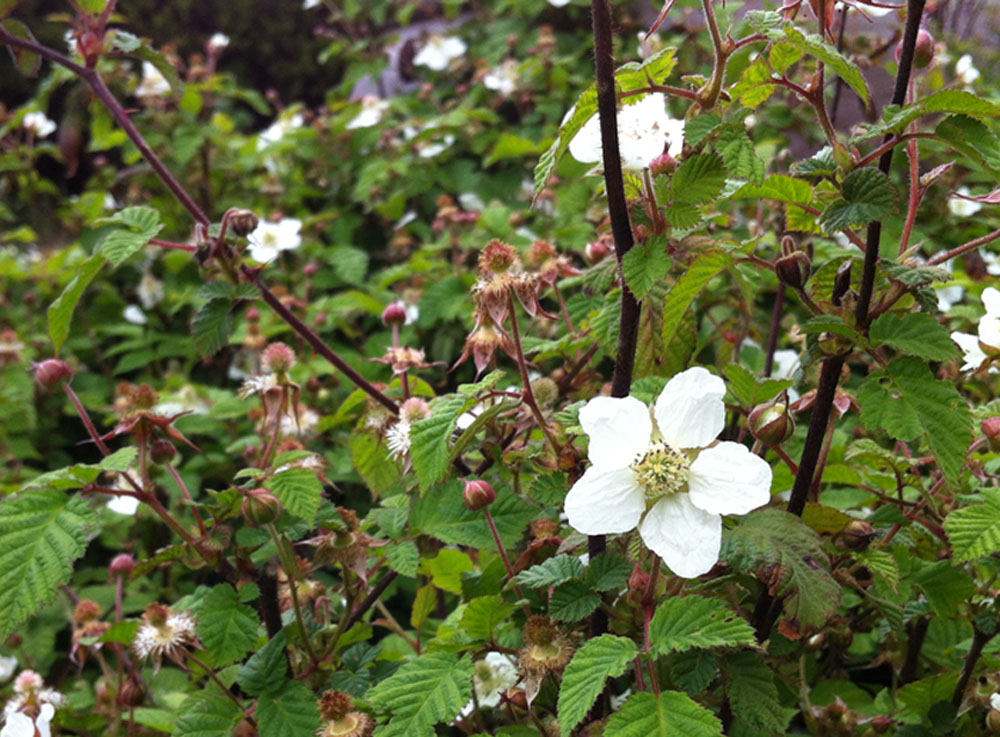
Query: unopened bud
[(794, 269), (311, 270), (858, 534), (122, 565), (278, 358), (662, 164), (260, 507), (394, 314), (597, 250), (516, 697), (771, 423), (162, 451), (243, 222), (923, 52), (478, 495), (50, 374), (132, 693), (991, 429), (497, 257)]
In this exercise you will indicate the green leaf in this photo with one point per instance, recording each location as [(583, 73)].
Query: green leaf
[(601, 658), (551, 572), (908, 402), (81, 474), (914, 333), (645, 264), (783, 55), (669, 715), (227, 628), (973, 139), (960, 102), (699, 180), (748, 391), (608, 571), (211, 327), (430, 446), (291, 712), (404, 558), (443, 514), (695, 621), (207, 715), (370, 457), (753, 695), (699, 128), (815, 46), (755, 85), (510, 146), (694, 670), (61, 311), (41, 533), (974, 531), (704, 268), (868, 195), (738, 154), (141, 223), (682, 216), (572, 601), (429, 690), (771, 537), (484, 616), (299, 491), (921, 695), (265, 672), (446, 569), (779, 187), (945, 586)]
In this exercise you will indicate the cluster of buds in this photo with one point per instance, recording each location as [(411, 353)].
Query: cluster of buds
[(164, 632), (342, 718), (344, 542)]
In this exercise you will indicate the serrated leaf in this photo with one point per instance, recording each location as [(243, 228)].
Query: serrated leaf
[(404, 558), (908, 402), (755, 85), (141, 223), (782, 55), (779, 187), (60, 312), (700, 127), (748, 391), (370, 456), (211, 327), (868, 195), (446, 569), (699, 179), (572, 601), (921, 695), (815, 46), (429, 690), (704, 268), (551, 572), (695, 621), (645, 264), (739, 156), (945, 586), (299, 491), (974, 531), (771, 537), (753, 695), (41, 533), (265, 671), (211, 715), (693, 670), (601, 658), (228, 629), (289, 713), (430, 446), (484, 616), (959, 102), (667, 715), (914, 333), (973, 139), (608, 571), (443, 514), (682, 216)]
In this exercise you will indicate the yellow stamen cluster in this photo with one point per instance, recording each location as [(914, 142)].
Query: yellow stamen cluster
[(661, 470)]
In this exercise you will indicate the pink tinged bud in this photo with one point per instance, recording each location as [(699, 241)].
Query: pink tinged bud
[(394, 314), (771, 423), (794, 269), (50, 374), (122, 565), (858, 534), (311, 270), (991, 429), (162, 451), (597, 251), (478, 495), (278, 358), (662, 164), (923, 52), (260, 507), (253, 315)]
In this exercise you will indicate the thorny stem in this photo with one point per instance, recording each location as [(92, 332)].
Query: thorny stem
[(292, 574), (529, 394)]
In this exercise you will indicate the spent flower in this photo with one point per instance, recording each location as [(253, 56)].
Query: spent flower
[(165, 632)]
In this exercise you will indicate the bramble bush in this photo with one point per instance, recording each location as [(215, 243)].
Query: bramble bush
[(533, 396)]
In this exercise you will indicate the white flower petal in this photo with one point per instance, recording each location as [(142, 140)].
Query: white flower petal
[(689, 411), (686, 538), (123, 504), (991, 301), (135, 315), (989, 330), (728, 479), (605, 502), (644, 128), (619, 429), (969, 344), (44, 717), (995, 701), (18, 725), (8, 666)]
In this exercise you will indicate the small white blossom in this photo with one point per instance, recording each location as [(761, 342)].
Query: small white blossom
[(871, 10), (988, 333), (471, 202), (22, 725), (153, 83), (995, 701), (372, 110), (135, 315), (270, 238), (965, 72), (992, 262), (950, 295), (310, 4), (644, 129), (277, 130), (786, 361), (961, 206), (150, 291), (257, 384), (123, 505), (412, 314), (8, 666), (218, 42), (397, 438), (503, 78), (29, 688), (672, 480), (301, 425), (39, 124), (493, 675), (438, 52)]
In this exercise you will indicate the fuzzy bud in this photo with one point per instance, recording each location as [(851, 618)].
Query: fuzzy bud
[(49, 374), (243, 222), (162, 451), (87, 611), (334, 705), (598, 250), (546, 392), (518, 698), (794, 269), (122, 565), (278, 358), (858, 534), (923, 52), (260, 507), (132, 693), (662, 164), (394, 314), (478, 495), (991, 429), (497, 257), (771, 423)]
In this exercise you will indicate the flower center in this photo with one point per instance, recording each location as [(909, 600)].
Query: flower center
[(661, 470)]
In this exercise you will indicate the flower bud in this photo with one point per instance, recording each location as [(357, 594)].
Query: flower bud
[(50, 373), (132, 693), (662, 164), (598, 250), (260, 507), (771, 423), (278, 358), (478, 495), (122, 565), (516, 697), (923, 52), (394, 314), (991, 429), (794, 269), (243, 222), (162, 451), (858, 534), (497, 257), (311, 270)]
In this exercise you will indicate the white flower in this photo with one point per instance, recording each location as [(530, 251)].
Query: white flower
[(989, 333), (665, 479), (870, 10), (408, 217), (277, 130), (995, 701), (963, 207), (269, 238), (397, 438), (150, 291), (123, 504), (644, 129), (965, 73), (372, 110), (438, 52), (218, 42), (992, 263), (153, 83), (559, 3), (302, 425), (503, 78), (492, 676), (412, 314), (39, 124), (29, 688), (471, 202), (164, 632), (135, 315), (257, 384), (22, 725), (8, 665)]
